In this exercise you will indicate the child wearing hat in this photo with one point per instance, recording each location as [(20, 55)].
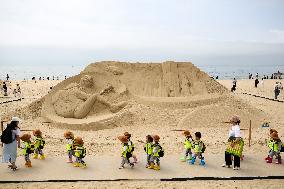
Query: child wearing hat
[(69, 136), (274, 145), (125, 152), (28, 148), (131, 146), (156, 154), (187, 145), (80, 152), (148, 148), (269, 140), (38, 144), (198, 149)]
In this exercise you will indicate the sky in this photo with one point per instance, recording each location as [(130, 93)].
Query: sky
[(75, 32)]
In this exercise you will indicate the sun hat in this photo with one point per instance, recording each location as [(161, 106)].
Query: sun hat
[(68, 134), (37, 132), (123, 139), (79, 141), (274, 136), (186, 133), (15, 119), (127, 134), (235, 119), (25, 137), (156, 138)]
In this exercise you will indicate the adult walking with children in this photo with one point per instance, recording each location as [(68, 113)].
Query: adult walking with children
[(235, 145), (11, 140)]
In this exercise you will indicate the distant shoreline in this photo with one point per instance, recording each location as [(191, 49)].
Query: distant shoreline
[(223, 72)]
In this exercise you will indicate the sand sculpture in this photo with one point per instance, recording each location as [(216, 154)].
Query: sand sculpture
[(77, 100), (99, 96)]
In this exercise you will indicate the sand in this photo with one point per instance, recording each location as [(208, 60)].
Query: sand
[(155, 114)]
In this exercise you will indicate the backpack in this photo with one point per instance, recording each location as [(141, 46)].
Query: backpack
[(161, 152), (42, 144), (203, 148), (6, 136)]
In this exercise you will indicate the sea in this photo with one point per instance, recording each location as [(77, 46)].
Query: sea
[(60, 71)]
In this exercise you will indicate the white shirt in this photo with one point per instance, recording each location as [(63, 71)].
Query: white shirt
[(235, 131)]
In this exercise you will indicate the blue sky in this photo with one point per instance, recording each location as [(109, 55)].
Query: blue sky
[(202, 31)]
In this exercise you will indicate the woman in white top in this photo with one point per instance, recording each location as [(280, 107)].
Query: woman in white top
[(10, 149), (234, 139)]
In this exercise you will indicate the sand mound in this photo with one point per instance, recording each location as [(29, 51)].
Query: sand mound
[(101, 95), (107, 95), (168, 79), (213, 115)]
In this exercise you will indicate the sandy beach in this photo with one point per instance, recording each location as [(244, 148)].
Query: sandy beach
[(152, 117)]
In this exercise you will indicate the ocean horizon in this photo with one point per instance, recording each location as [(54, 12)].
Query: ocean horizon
[(21, 72)]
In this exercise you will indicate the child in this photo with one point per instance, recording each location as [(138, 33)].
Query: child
[(270, 139), (274, 145), (198, 148), (70, 145), (28, 148), (38, 144), (156, 154), (148, 149), (80, 152), (131, 146), (187, 145), (125, 155)]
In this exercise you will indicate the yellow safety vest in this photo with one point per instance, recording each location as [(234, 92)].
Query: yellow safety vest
[(149, 148), (29, 148), (187, 144), (80, 152), (157, 153), (39, 142), (124, 152), (273, 145), (70, 146), (130, 146), (197, 147)]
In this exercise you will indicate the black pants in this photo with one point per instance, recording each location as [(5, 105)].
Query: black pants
[(228, 159)]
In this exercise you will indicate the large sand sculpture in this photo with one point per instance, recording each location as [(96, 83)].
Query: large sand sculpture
[(103, 95), (110, 94)]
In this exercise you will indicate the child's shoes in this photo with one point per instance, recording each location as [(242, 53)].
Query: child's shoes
[(202, 162), (35, 156), (269, 160), (192, 161), (28, 164), (151, 166), (76, 164), (157, 168)]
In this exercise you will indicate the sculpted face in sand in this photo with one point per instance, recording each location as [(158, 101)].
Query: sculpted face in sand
[(77, 100)]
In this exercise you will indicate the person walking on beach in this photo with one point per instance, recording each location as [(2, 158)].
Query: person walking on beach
[(256, 82), (7, 77), (277, 89), (11, 140), (5, 89), (234, 86), (250, 76), (235, 145)]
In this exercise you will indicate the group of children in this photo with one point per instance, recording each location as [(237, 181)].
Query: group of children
[(75, 147), (195, 145), (194, 148), (153, 149), (33, 146)]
